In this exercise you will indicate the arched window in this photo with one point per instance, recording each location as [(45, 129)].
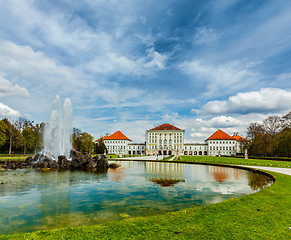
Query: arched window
[(165, 147), (160, 141), (165, 141)]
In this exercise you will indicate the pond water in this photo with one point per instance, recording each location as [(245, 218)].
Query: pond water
[(32, 200)]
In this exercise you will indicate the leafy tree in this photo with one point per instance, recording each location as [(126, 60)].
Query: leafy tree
[(3, 133), (38, 131), (29, 139), (77, 139), (100, 147), (87, 143)]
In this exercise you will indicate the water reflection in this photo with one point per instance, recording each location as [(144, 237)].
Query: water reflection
[(32, 200), (258, 181), (222, 174), (166, 182)]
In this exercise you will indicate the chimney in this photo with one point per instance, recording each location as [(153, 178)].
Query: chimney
[(106, 134)]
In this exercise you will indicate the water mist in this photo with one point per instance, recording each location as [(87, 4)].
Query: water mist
[(57, 133)]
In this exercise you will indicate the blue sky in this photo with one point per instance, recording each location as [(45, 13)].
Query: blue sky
[(129, 65)]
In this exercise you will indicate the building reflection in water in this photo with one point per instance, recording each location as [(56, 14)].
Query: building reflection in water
[(165, 168), (222, 174), (116, 174)]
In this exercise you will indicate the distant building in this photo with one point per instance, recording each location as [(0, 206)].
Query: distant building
[(116, 143), (220, 143), (167, 139), (195, 149)]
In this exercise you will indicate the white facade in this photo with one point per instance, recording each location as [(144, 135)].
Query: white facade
[(195, 149), (164, 142), (136, 148), (221, 147), (117, 146)]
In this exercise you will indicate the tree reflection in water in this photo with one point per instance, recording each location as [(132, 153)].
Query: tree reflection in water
[(166, 182), (258, 181)]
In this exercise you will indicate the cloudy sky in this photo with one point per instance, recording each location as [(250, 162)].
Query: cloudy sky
[(131, 64)]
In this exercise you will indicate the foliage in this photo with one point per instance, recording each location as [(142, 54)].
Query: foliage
[(270, 138), (100, 147), (77, 139), (20, 135), (87, 143), (3, 133)]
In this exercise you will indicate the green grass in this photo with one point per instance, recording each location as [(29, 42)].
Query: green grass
[(236, 161), (263, 215)]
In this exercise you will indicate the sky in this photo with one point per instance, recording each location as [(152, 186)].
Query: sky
[(129, 65)]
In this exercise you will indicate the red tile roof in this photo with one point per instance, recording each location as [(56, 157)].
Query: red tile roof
[(239, 138), (220, 135), (166, 126), (115, 136)]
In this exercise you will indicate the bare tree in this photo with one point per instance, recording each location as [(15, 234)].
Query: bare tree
[(253, 129), (272, 125), (286, 120)]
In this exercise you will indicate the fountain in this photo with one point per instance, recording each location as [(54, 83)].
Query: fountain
[(57, 133), (58, 152)]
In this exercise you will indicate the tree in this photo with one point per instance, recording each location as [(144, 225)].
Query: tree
[(3, 133), (253, 129), (100, 147), (272, 125), (38, 131), (87, 143), (11, 133), (29, 139), (286, 120), (77, 139)]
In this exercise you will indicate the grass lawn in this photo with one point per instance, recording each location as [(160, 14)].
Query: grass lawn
[(236, 161), (263, 215)]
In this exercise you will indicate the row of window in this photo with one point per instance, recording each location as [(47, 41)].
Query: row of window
[(219, 142), (200, 147), (114, 141), (160, 134), (222, 148), (133, 147)]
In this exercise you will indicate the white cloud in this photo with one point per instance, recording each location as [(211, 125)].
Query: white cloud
[(205, 36), (6, 111), (23, 61), (113, 63), (267, 100), (223, 78), (7, 89)]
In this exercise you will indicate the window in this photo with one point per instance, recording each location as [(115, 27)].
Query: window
[(210, 148)]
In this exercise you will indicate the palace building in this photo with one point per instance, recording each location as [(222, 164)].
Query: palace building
[(167, 139)]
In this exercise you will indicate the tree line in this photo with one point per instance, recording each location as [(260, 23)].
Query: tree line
[(272, 137), (25, 136), (20, 136)]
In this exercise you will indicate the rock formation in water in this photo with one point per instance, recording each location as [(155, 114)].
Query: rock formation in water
[(78, 161)]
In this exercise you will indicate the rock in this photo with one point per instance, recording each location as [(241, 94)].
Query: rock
[(63, 162), (114, 165), (46, 160)]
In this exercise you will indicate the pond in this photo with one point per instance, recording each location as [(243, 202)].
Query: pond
[(32, 200)]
